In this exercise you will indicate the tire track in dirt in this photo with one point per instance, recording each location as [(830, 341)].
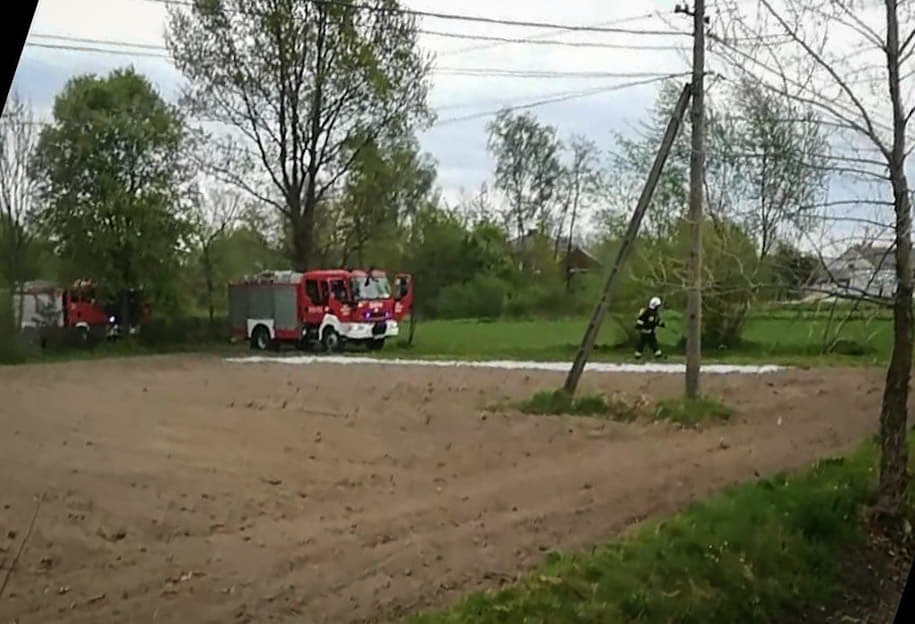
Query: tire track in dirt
[(277, 493)]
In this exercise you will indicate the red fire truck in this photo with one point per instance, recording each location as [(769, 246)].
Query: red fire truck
[(80, 309), (327, 308)]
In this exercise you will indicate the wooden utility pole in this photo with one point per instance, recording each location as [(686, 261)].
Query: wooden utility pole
[(696, 175), (587, 343)]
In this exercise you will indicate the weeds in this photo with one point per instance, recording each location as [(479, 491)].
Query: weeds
[(617, 406), (692, 412)]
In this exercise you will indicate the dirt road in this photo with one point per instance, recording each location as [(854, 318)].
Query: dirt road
[(186, 489)]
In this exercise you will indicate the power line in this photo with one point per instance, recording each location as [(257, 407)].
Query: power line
[(467, 18), (163, 49), (480, 72), (58, 46), (552, 100), (127, 44), (547, 42), (503, 103), (524, 73), (573, 44), (552, 33)]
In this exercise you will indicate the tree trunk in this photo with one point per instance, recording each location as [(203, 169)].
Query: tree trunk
[(18, 287), (569, 243), (208, 276), (894, 411), (302, 227), (124, 321)]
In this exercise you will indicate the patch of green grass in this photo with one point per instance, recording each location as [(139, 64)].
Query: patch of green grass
[(759, 552), (617, 407), (692, 412), (559, 402), (781, 336)]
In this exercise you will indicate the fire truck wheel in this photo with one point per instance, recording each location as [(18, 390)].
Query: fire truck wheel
[(376, 345), (260, 339), (332, 341)]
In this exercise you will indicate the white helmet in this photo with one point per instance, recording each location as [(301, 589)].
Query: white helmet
[(654, 303)]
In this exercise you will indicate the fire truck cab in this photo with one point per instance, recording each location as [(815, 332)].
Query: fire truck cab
[(80, 310), (325, 308)]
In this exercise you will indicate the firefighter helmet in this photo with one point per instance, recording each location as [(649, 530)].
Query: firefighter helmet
[(654, 303)]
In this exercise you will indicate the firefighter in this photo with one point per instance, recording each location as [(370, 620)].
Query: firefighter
[(648, 320)]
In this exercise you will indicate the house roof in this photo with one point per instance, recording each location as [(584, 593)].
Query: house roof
[(877, 255), (577, 248)]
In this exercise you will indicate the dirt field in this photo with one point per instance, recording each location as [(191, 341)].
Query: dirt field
[(183, 489)]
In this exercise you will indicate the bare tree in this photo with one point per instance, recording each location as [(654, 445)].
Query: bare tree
[(304, 86), (18, 139), (860, 89), (581, 184), (217, 210)]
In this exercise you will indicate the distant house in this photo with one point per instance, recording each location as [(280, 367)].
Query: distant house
[(534, 247), (861, 270)]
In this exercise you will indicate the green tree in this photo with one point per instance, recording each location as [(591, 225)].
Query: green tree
[(306, 85), (111, 172), (791, 270), (629, 164), (779, 150), (764, 165), (528, 170), (389, 183)]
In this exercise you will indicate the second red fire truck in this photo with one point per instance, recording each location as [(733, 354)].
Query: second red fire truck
[(325, 308)]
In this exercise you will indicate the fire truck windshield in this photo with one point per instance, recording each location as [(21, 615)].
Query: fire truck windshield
[(376, 287)]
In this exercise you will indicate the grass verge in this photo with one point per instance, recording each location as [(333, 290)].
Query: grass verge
[(761, 552), (692, 412), (558, 402)]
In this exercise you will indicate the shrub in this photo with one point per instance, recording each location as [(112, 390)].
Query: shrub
[(161, 332), (731, 275), (11, 351), (481, 297)]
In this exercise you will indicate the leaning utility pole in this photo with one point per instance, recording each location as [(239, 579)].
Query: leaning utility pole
[(696, 166), (587, 343)]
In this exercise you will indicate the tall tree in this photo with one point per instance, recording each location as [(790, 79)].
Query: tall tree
[(389, 183), (765, 164), (629, 164), (858, 88), (305, 86), (528, 170), (18, 139), (216, 211), (782, 159), (581, 183), (111, 171)]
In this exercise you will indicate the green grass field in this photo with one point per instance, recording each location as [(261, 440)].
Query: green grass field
[(782, 336), (769, 551), (776, 335)]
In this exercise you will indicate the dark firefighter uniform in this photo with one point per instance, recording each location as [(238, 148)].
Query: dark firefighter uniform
[(648, 321)]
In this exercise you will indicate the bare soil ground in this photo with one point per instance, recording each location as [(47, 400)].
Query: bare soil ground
[(188, 489)]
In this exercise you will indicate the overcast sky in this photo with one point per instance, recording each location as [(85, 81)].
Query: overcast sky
[(459, 147)]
